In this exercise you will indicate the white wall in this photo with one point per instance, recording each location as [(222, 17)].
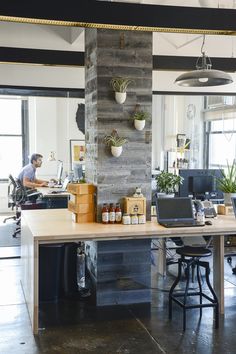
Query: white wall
[(52, 124)]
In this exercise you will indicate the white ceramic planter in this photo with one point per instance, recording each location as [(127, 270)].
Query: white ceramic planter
[(120, 97), (165, 195), (227, 198), (116, 150), (139, 124)]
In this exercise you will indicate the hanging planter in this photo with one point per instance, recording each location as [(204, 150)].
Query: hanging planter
[(119, 85), (120, 97), (139, 124), (116, 150), (115, 142), (140, 118)]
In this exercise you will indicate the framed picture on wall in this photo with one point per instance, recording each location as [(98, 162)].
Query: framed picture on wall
[(77, 152)]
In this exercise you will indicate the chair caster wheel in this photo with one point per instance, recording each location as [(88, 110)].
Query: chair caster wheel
[(229, 259)]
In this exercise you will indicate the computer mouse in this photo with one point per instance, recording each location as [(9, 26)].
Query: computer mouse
[(208, 222)]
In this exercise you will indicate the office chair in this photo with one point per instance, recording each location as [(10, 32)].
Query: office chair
[(18, 195)]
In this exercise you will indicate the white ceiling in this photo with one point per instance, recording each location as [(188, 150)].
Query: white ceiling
[(231, 4)]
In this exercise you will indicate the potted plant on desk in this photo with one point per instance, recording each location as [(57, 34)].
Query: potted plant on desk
[(167, 183), (227, 182)]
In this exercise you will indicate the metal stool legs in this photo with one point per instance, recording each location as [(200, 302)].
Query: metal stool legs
[(174, 296)]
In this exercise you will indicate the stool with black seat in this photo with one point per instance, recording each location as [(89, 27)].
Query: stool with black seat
[(190, 257)]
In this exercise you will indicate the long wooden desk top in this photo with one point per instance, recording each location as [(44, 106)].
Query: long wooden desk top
[(57, 224)]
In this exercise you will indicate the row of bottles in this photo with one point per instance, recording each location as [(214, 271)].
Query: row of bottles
[(111, 214)]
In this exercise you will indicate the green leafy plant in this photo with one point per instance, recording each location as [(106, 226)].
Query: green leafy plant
[(167, 182), (120, 84), (114, 139), (141, 115), (227, 182)]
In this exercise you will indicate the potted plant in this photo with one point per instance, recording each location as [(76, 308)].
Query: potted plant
[(140, 118), (227, 182), (167, 183), (115, 142), (119, 85)]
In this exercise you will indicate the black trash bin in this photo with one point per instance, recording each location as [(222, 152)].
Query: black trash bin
[(51, 258)]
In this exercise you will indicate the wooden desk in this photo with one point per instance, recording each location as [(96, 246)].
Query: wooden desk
[(53, 226), (54, 200)]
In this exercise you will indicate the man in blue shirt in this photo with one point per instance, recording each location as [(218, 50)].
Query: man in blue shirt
[(28, 173)]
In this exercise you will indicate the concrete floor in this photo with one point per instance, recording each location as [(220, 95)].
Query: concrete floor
[(78, 327)]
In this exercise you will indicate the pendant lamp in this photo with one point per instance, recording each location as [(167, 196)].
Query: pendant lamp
[(204, 75)]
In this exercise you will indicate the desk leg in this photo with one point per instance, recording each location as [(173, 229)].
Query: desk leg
[(162, 257), (218, 269)]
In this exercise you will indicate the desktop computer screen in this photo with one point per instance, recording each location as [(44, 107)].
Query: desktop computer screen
[(200, 183), (78, 171), (59, 172)]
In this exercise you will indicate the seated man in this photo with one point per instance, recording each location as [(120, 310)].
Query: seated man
[(27, 175)]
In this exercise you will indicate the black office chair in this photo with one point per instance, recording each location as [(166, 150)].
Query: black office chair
[(17, 196)]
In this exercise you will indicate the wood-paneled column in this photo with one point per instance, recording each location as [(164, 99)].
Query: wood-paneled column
[(111, 53)]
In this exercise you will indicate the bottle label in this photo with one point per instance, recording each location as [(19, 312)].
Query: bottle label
[(118, 216), (105, 217), (112, 216)]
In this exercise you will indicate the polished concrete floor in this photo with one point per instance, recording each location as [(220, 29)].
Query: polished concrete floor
[(78, 327)]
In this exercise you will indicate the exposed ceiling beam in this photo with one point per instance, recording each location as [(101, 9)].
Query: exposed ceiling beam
[(74, 58), (114, 15)]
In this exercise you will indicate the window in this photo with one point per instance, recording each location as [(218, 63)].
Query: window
[(13, 133), (221, 142)]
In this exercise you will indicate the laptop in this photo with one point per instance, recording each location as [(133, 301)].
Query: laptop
[(175, 212), (62, 189)]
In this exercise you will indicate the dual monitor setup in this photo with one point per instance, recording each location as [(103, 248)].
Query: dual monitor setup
[(77, 172)]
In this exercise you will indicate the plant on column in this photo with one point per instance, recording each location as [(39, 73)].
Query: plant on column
[(139, 117), (119, 85), (115, 142)]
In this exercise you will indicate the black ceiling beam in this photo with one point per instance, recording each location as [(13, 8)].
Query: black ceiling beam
[(41, 56), (122, 14), (73, 58), (165, 62)]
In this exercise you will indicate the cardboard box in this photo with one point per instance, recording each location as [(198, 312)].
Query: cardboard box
[(225, 209), (81, 208), (134, 205), (81, 188), (82, 198), (83, 218)]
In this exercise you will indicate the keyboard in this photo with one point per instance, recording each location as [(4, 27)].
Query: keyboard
[(181, 224)]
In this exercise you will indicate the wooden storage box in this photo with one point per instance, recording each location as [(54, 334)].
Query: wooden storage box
[(81, 188), (82, 198), (83, 218), (134, 205), (225, 209), (81, 208)]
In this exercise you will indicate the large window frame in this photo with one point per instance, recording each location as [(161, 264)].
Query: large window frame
[(24, 134)]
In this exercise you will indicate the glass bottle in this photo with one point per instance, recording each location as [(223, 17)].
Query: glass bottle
[(112, 214), (118, 213), (105, 214)]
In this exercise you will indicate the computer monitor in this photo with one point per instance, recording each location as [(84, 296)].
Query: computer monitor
[(59, 172), (200, 183), (78, 171)]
